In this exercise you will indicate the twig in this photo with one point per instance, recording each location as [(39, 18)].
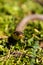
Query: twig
[(18, 54), (3, 37)]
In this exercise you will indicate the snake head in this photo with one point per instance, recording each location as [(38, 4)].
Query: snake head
[(18, 35)]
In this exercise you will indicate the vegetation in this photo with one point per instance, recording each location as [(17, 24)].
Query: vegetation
[(26, 51)]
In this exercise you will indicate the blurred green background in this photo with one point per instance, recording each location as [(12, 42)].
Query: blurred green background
[(11, 13)]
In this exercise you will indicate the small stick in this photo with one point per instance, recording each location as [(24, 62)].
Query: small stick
[(3, 37)]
